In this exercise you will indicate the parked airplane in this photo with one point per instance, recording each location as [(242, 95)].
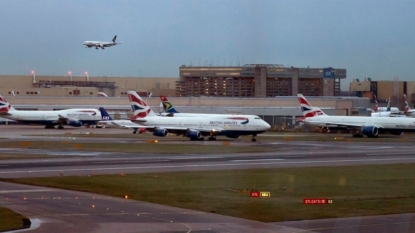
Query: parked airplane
[(102, 94), (71, 117), (388, 108), (195, 127), (407, 111), (100, 44), (107, 121), (384, 112), (369, 126)]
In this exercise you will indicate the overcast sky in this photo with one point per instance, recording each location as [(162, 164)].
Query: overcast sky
[(374, 38)]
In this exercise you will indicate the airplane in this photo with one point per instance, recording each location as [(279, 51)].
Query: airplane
[(102, 94), (71, 117), (407, 111), (107, 121), (195, 128), (388, 108), (368, 126), (384, 112), (100, 44)]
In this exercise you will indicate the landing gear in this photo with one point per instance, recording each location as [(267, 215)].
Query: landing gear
[(135, 131), (357, 133), (253, 139), (211, 138), (60, 127)]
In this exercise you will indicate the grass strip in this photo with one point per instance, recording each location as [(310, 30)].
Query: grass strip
[(10, 220), (355, 190)]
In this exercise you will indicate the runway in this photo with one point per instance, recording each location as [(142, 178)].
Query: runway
[(287, 154), (73, 211)]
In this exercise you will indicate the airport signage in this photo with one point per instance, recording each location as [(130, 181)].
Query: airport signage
[(317, 201), (260, 194), (328, 73)]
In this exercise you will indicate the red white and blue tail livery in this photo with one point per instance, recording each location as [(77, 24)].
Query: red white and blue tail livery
[(307, 109)]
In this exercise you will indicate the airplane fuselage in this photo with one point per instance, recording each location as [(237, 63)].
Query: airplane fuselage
[(223, 125), (86, 116), (98, 44), (385, 123)]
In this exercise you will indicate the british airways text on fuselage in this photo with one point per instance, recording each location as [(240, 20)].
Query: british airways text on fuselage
[(223, 123)]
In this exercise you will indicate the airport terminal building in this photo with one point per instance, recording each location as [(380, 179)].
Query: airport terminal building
[(258, 80)]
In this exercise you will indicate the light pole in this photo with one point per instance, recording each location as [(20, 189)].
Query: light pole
[(33, 76)]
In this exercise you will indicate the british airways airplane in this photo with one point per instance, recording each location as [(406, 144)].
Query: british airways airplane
[(360, 125), (195, 128), (71, 117), (100, 44)]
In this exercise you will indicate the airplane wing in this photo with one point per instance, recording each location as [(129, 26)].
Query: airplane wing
[(173, 130), (349, 125), (61, 120)]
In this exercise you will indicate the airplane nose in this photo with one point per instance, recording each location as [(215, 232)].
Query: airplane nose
[(267, 126)]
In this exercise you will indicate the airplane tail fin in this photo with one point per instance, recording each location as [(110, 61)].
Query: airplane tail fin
[(102, 94), (406, 108), (105, 116), (4, 105), (376, 104), (388, 109), (113, 39), (168, 107), (139, 107), (307, 109)]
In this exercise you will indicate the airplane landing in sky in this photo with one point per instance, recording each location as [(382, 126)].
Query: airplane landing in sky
[(100, 44)]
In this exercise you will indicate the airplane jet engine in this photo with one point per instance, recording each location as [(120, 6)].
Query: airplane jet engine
[(75, 123), (160, 132), (370, 131), (194, 135)]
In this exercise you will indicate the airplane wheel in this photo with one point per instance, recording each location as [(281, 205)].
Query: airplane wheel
[(212, 139), (134, 132), (60, 127), (253, 139)]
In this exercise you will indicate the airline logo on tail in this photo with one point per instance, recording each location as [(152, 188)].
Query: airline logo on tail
[(4, 105), (406, 109), (168, 107), (102, 94), (105, 116), (139, 107), (306, 108)]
